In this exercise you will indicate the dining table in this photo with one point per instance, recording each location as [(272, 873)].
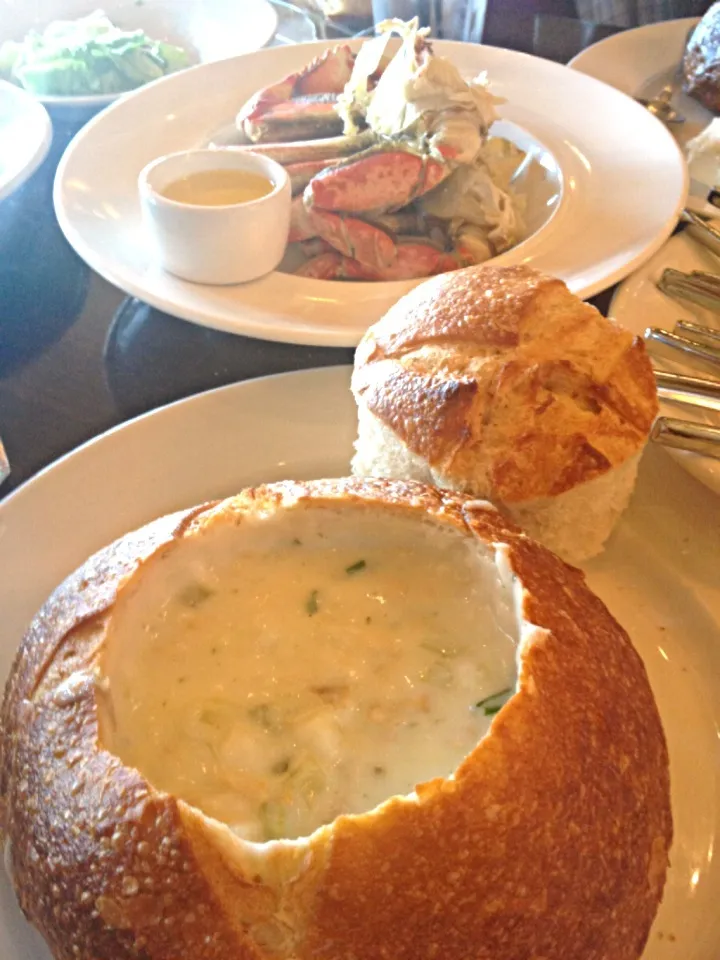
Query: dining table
[(78, 356)]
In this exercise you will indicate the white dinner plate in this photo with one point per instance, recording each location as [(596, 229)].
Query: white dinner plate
[(638, 304), (25, 136), (658, 577), (623, 184), (207, 30), (640, 63)]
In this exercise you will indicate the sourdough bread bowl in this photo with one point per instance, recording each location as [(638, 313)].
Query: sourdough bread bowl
[(499, 382), (548, 838)]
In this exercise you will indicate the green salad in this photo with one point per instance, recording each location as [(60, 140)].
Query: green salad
[(88, 56)]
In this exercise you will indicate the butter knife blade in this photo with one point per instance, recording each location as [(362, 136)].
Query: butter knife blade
[(696, 287), (686, 435), (656, 338), (693, 391), (697, 332)]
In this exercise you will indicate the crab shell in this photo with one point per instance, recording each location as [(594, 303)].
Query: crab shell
[(325, 74), (371, 184), (551, 839), (393, 171)]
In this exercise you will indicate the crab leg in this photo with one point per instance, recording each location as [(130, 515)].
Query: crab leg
[(302, 173), (301, 151), (325, 74), (387, 179), (305, 117), (413, 261)]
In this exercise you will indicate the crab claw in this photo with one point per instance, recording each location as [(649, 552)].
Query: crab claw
[(354, 238), (413, 261), (386, 180), (326, 74)]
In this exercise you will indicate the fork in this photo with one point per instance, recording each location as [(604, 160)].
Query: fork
[(695, 343), (660, 106)]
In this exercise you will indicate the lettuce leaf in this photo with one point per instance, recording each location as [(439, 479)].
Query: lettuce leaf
[(86, 57)]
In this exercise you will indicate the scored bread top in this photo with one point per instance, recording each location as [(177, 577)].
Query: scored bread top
[(501, 378), (551, 839)]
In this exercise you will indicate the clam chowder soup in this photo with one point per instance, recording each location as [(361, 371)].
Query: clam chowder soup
[(315, 662)]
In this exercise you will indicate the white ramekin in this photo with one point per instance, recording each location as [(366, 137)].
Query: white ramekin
[(216, 244)]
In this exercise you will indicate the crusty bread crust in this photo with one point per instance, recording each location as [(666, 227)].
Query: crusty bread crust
[(551, 840), (502, 379)]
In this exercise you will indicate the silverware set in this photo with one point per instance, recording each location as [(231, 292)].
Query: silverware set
[(700, 344), (661, 105), (693, 344)]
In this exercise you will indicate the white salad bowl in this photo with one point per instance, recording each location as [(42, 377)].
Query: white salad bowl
[(25, 137), (207, 30)]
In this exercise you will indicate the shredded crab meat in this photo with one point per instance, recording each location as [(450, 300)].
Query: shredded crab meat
[(418, 95), (424, 100), (482, 210)]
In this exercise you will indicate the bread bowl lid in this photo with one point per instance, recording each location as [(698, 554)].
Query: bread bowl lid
[(501, 379)]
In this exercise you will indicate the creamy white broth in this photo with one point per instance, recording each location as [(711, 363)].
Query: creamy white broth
[(307, 665)]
